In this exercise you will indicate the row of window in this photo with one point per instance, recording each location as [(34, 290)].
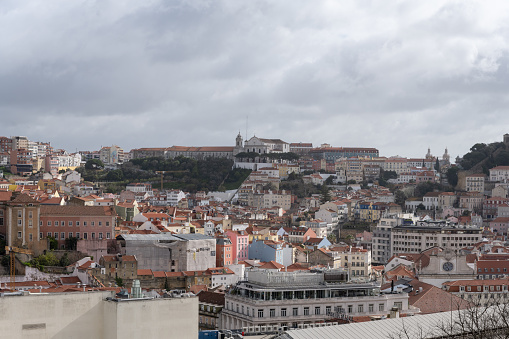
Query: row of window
[(306, 310), (77, 223)]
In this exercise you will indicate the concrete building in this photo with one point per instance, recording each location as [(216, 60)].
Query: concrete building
[(275, 299), (423, 235), (500, 174), (381, 240), (170, 252), (91, 315)]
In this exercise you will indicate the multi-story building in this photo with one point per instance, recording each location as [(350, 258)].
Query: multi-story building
[(472, 201), (73, 221), (480, 292), (18, 142), (111, 155), (491, 206), (301, 147), (21, 161), (396, 164), (318, 226), (474, 183), (5, 144), (211, 305), (499, 173), (423, 235), (224, 252), (263, 146), (240, 245), (276, 299), (19, 223), (170, 252), (331, 154)]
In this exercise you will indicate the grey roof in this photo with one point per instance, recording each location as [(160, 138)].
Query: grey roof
[(151, 237), (419, 326), (195, 236)]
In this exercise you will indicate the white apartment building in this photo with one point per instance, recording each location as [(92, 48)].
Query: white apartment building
[(272, 299), (423, 235), (499, 173), (174, 196), (474, 183)]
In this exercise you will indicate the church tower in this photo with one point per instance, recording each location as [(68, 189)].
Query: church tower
[(428, 155), (238, 141), (239, 147)]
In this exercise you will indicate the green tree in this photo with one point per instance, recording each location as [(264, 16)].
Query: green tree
[(71, 243), (421, 207), (399, 197), (502, 158), (452, 176), (324, 194), (93, 164), (330, 180), (53, 243), (119, 282)]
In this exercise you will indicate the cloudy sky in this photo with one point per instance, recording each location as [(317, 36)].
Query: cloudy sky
[(396, 75)]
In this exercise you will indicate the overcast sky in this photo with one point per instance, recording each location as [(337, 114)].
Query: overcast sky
[(396, 75)]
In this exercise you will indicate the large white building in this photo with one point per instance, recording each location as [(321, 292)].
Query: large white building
[(423, 235), (499, 173), (274, 299)]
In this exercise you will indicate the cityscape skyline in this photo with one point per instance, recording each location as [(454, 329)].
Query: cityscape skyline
[(396, 77)]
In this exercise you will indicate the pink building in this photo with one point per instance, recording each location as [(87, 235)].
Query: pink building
[(82, 222), (500, 225), (240, 244)]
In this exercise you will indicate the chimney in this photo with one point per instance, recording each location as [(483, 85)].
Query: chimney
[(394, 313)]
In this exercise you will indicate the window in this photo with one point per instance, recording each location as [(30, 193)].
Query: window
[(30, 238), (49, 223), (295, 311), (40, 235), (77, 223), (92, 223), (100, 235), (19, 222), (283, 312), (30, 214), (107, 223), (100, 223), (70, 223), (317, 310), (62, 235), (56, 223), (350, 308), (78, 235), (85, 236), (380, 307), (70, 234), (260, 313), (328, 310), (399, 305), (306, 310), (93, 235), (48, 234), (360, 308), (30, 223), (272, 312), (107, 235), (19, 235), (62, 223), (19, 214), (371, 308), (84, 223)]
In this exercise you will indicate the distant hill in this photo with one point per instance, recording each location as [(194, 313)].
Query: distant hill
[(188, 174), (482, 157)]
